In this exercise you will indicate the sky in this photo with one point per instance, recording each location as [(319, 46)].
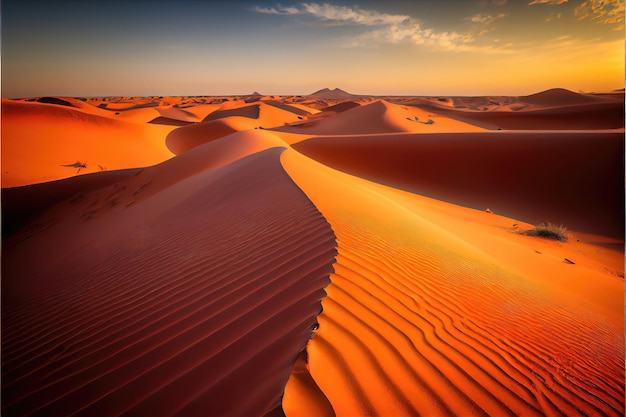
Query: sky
[(97, 48)]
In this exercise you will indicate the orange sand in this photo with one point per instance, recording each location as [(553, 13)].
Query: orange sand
[(160, 300), (181, 272), (439, 310)]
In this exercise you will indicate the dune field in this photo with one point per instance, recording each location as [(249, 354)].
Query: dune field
[(320, 255)]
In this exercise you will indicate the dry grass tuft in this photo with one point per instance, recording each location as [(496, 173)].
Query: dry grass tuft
[(549, 231)]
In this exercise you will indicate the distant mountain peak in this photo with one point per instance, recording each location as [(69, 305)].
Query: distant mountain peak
[(334, 93)]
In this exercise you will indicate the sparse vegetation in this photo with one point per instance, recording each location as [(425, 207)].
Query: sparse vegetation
[(549, 231)]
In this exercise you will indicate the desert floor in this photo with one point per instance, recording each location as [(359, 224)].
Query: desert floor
[(317, 255)]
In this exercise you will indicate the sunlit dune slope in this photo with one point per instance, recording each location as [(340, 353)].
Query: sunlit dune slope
[(573, 178), (187, 289), (380, 117), (188, 137), (439, 310), (223, 122), (177, 113), (201, 110), (39, 139)]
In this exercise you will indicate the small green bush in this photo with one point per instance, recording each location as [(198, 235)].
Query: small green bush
[(549, 231)]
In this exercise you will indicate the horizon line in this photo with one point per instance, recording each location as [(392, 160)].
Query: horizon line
[(256, 93)]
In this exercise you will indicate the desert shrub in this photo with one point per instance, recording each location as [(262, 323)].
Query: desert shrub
[(549, 231)]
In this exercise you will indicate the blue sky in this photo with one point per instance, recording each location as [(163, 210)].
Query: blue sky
[(419, 47)]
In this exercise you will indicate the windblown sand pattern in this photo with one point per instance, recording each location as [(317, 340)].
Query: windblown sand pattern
[(321, 255), (175, 314), (420, 322)]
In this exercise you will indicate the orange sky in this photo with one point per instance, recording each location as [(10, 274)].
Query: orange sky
[(421, 47)]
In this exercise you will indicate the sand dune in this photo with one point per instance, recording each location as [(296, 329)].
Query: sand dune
[(39, 139), (380, 117), (596, 115), (306, 256), (523, 175), (558, 97), (185, 138), (419, 321), (166, 303), (201, 110), (221, 123)]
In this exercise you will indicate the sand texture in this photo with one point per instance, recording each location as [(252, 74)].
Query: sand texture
[(321, 255)]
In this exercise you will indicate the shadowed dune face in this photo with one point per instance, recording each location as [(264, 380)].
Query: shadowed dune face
[(588, 116), (186, 138), (570, 178), (171, 305), (301, 269), (251, 112)]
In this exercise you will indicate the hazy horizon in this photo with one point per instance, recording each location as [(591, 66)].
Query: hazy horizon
[(392, 48), (260, 93)]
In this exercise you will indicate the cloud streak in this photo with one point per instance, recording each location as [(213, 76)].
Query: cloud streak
[(276, 10), (485, 19), (547, 2), (390, 28), (606, 12)]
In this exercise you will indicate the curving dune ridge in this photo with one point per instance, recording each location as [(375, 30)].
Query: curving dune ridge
[(340, 262), (164, 302), (421, 321)]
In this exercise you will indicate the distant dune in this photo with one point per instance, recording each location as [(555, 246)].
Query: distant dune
[(379, 117), (320, 255), (335, 94)]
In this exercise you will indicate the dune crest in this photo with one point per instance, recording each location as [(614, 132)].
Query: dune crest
[(419, 321), (379, 117), (510, 172), (166, 301), (323, 255), (32, 134)]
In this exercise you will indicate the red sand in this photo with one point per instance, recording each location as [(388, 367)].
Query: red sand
[(187, 279)]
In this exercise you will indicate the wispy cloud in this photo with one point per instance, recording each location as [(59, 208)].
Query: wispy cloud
[(354, 15), (390, 28), (547, 2), (496, 2), (276, 10), (601, 11), (486, 19), (553, 16), (338, 14)]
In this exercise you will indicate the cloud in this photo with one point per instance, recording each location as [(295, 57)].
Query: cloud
[(276, 10), (547, 2), (496, 2), (601, 11), (390, 28), (553, 16), (485, 19), (353, 15)]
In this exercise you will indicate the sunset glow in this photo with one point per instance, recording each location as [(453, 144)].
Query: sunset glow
[(425, 47), (346, 208)]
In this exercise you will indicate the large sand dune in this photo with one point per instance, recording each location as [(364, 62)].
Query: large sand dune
[(380, 117), (573, 178), (186, 270), (425, 318), (41, 142), (165, 302)]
